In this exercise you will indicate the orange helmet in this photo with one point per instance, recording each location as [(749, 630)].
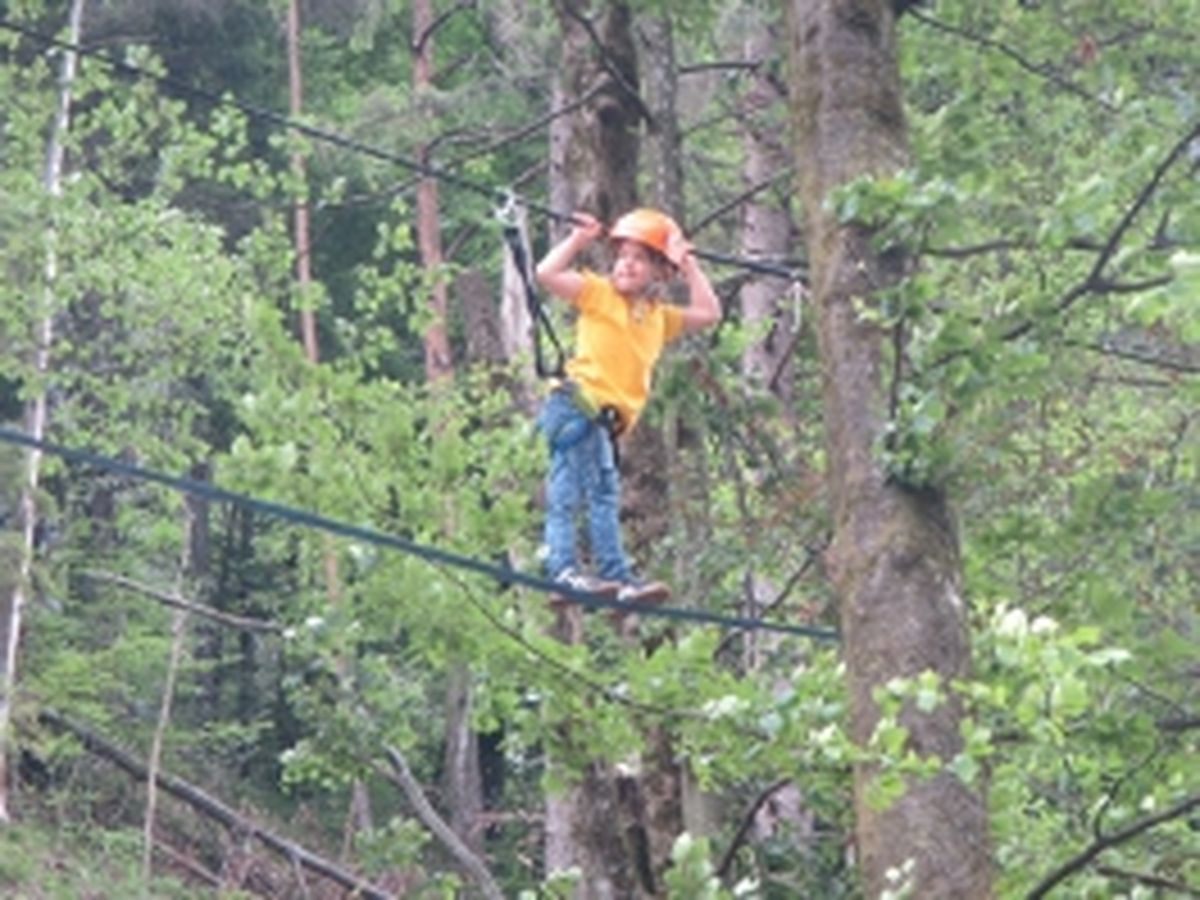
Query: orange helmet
[(647, 226)]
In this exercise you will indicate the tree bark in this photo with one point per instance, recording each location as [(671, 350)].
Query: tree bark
[(664, 144), (37, 410), (598, 145), (438, 361), (766, 227), (894, 558), (179, 622)]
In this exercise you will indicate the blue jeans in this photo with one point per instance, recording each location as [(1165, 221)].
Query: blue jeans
[(583, 470)]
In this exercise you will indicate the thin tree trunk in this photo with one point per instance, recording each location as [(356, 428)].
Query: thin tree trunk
[(516, 322), (438, 362), (894, 560), (308, 319), (359, 817), (766, 227), (37, 412), (664, 144), (178, 633)]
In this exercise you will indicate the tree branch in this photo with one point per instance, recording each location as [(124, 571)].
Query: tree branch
[(1149, 880), (177, 602), (1041, 70), (419, 41), (607, 62), (739, 837), (1130, 831), (213, 808), (1107, 348), (412, 789), (1094, 281), (738, 200)]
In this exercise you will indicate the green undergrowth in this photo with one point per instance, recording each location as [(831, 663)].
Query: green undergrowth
[(45, 861)]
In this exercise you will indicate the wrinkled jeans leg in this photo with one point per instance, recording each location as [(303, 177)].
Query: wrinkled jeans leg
[(564, 491), (602, 485), (563, 424)]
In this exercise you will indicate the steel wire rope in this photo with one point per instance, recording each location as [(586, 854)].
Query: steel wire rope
[(352, 144), (428, 552)]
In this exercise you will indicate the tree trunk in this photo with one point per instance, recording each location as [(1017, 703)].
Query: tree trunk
[(179, 622), (894, 558), (598, 156), (438, 362), (463, 781), (359, 814), (664, 144), (766, 226), (37, 412)]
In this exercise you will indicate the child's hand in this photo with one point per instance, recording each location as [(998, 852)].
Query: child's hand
[(586, 227), (678, 247)]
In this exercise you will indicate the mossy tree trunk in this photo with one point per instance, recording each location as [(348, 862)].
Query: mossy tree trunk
[(895, 557)]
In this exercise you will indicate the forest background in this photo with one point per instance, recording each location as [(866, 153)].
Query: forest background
[(204, 697)]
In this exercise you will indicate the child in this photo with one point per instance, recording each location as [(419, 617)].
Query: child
[(622, 328)]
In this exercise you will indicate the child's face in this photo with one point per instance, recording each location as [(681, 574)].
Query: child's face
[(635, 269)]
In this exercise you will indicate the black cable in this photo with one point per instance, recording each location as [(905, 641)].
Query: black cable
[(308, 519), (348, 143)]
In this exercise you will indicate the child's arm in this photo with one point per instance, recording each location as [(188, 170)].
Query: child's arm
[(554, 272), (703, 309)]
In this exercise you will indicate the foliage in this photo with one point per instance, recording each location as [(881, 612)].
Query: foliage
[(1042, 377)]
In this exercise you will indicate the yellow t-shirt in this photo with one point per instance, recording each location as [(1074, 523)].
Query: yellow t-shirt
[(617, 343)]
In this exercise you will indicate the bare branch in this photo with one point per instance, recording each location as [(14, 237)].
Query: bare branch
[(739, 837), (1160, 172), (1179, 723), (1161, 362), (1130, 831), (177, 602), (419, 41), (532, 127), (1149, 880), (1131, 287), (402, 776), (738, 200), (212, 808), (609, 64)]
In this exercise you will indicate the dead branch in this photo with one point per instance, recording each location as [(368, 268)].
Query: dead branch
[(213, 808), (403, 777), (177, 602)]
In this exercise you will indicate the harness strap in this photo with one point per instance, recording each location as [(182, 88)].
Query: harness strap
[(517, 244)]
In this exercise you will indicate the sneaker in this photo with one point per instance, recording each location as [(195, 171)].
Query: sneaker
[(644, 592), (581, 582)]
